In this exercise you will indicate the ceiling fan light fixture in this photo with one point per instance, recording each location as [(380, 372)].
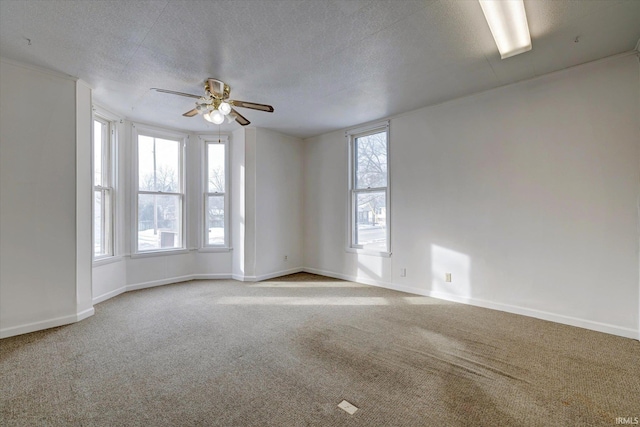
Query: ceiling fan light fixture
[(507, 21), (224, 108), (215, 117), (216, 105)]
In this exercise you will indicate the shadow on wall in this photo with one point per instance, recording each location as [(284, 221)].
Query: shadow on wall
[(241, 214), (371, 267), (450, 272)]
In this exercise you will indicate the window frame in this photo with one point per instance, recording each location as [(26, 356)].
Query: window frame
[(204, 238), (181, 139), (353, 192), (107, 170)]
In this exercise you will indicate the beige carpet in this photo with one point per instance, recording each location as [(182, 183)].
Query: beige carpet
[(285, 352)]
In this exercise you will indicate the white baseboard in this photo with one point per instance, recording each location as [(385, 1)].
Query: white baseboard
[(539, 314), (85, 313), (210, 276), (553, 317), (109, 295), (243, 278), (154, 283), (524, 311), (363, 280), (278, 274), (46, 324)]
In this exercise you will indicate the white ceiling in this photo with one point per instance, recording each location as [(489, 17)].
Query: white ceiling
[(322, 64)]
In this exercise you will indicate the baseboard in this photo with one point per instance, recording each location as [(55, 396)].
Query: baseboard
[(46, 324), (109, 295), (278, 274), (215, 276), (160, 282), (538, 314), (243, 278), (363, 280), (85, 313), (154, 283)]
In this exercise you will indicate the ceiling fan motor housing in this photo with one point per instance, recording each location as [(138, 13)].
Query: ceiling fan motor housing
[(218, 89)]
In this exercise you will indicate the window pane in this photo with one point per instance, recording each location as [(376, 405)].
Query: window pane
[(215, 220), (159, 222), (107, 239), (371, 220), (215, 173), (371, 161), (158, 164), (97, 152), (97, 223)]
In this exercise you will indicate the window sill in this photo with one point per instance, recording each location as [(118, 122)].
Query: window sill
[(160, 253), (97, 262), (368, 252), (215, 249)]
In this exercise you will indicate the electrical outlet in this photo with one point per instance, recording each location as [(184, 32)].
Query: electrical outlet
[(447, 277), (403, 272), (286, 257)]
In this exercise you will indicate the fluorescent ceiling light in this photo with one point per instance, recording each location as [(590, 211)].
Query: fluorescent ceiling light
[(508, 23)]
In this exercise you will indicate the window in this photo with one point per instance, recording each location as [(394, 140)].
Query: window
[(102, 189), (369, 194), (160, 192), (216, 204)]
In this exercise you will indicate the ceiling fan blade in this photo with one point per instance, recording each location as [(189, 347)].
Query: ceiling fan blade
[(239, 117), (191, 113), (218, 89), (176, 93), (253, 106)]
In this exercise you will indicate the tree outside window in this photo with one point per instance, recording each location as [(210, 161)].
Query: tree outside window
[(369, 192), (160, 194)]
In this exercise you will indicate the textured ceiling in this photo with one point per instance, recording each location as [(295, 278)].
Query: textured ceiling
[(322, 64)]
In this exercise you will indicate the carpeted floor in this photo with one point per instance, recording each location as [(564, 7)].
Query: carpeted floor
[(285, 352)]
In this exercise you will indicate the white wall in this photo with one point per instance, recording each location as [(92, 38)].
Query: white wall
[(527, 194), (267, 204), (279, 204), (249, 189), (44, 280), (238, 201), (84, 199)]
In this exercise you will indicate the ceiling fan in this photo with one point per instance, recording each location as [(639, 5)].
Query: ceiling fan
[(215, 105)]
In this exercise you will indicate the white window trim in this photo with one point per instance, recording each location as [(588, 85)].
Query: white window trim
[(156, 132), (351, 136), (106, 119), (203, 244)]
